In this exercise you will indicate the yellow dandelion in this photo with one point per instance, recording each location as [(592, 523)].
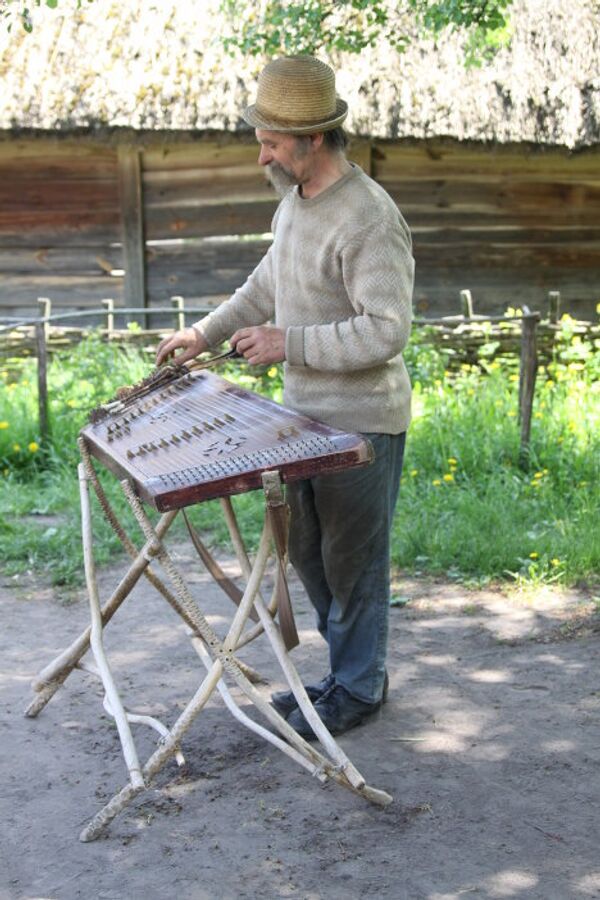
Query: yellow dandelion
[(452, 461), (4, 425), (549, 383), (511, 413), (436, 482), (33, 447), (555, 562), (535, 482), (539, 475), (538, 415), (513, 377), (414, 472), (534, 555), (16, 447), (272, 372), (71, 403), (448, 477)]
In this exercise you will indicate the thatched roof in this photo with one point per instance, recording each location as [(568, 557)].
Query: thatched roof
[(159, 66)]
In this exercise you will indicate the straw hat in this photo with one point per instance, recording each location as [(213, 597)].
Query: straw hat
[(296, 95)]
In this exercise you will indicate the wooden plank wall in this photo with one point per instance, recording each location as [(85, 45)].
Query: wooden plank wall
[(60, 225), (201, 204), (510, 223)]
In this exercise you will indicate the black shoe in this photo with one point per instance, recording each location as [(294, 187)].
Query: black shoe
[(284, 701), (338, 710)]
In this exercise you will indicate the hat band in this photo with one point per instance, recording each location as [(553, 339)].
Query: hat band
[(278, 119)]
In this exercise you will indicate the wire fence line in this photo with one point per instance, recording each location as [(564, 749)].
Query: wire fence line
[(178, 308), (108, 310)]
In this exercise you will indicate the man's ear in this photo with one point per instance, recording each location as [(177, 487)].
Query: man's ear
[(316, 140)]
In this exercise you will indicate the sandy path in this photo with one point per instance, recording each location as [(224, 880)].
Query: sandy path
[(490, 744)]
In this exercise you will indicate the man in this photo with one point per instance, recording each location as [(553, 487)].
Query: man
[(337, 285)]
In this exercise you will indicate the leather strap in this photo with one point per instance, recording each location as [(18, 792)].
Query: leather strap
[(224, 582), (279, 517)]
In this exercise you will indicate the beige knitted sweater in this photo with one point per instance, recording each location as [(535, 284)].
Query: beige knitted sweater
[(338, 279)]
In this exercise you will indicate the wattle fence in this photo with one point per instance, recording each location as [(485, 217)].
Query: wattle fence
[(525, 334)]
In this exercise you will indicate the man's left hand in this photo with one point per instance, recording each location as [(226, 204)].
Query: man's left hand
[(260, 345)]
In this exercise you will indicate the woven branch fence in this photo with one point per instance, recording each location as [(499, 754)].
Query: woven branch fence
[(464, 335)]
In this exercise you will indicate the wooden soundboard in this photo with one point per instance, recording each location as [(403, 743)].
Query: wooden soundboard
[(202, 437)]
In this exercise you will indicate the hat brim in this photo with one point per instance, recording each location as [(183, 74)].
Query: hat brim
[(254, 118)]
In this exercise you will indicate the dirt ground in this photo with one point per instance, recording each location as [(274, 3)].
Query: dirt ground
[(489, 744)]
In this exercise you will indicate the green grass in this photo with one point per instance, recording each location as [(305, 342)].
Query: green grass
[(468, 507)]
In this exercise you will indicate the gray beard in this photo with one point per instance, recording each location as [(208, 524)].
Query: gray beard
[(281, 180)]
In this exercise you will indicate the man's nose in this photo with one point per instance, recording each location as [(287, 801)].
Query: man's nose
[(264, 157)]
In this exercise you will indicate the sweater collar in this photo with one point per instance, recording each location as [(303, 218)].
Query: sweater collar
[(304, 202)]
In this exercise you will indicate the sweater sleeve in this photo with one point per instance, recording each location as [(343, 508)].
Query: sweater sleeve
[(377, 271), (252, 304)]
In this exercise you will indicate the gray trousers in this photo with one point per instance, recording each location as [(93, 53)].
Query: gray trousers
[(340, 548)]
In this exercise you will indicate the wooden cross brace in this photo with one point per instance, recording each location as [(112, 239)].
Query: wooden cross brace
[(218, 657)]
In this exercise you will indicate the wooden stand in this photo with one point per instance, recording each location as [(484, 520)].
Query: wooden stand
[(218, 657)]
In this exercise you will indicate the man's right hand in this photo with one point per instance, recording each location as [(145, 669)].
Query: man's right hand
[(189, 340)]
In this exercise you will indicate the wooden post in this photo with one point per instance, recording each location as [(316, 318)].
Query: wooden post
[(527, 373), (132, 220), (109, 304), (179, 312), (553, 306), (42, 358), (466, 302), (45, 307)]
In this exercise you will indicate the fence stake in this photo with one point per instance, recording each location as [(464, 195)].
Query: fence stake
[(554, 306), (466, 302), (110, 317), (179, 312), (45, 306), (527, 373), (42, 362)]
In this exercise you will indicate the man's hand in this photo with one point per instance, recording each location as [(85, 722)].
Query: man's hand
[(188, 340), (261, 345)]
